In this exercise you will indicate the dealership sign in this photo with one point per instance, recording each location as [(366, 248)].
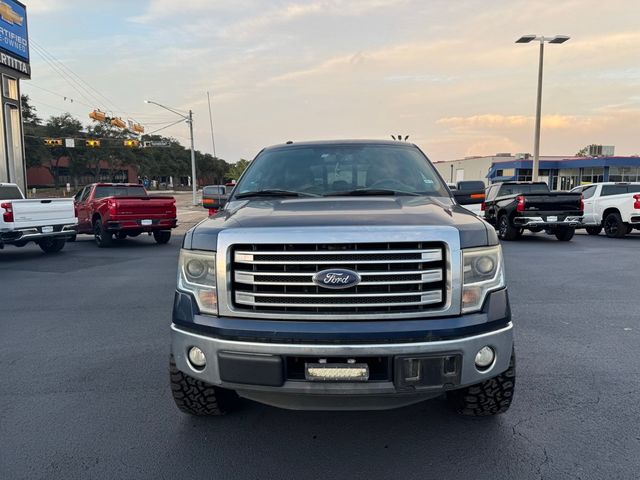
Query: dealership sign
[(14, 39)]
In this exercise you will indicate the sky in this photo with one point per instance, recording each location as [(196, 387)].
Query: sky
[(446, 73)]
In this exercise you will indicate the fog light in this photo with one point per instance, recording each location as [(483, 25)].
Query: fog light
[(412, 369), (485, 357), (197, 358)]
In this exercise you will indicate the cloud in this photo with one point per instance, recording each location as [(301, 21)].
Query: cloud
[(497, 121)]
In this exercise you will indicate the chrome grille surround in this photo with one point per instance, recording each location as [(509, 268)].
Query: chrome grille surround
[(249, 301)]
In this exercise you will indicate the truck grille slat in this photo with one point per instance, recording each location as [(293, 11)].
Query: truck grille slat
[(395, 277)]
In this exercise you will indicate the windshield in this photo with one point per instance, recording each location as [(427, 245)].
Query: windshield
[(334, 170)]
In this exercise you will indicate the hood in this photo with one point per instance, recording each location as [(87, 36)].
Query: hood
[(342, 211)]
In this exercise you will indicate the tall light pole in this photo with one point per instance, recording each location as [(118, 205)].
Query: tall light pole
[(536, 140), (189, 119)]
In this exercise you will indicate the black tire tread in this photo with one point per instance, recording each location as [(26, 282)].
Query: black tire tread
[(565, 234), (195, 397), (491, 397), (595, 230), (162, 236), (623, 228), (512, 233), (52, 245)]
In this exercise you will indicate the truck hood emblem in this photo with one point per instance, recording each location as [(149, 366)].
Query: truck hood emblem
[(336, 278)]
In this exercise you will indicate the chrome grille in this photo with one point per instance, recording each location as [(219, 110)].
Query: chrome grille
[(395, 278)]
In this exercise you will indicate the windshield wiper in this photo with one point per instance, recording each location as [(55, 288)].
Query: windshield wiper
[(274, 193), (370, 191)]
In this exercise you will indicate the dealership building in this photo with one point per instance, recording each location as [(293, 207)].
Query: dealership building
[(14, 66), (559, 172)]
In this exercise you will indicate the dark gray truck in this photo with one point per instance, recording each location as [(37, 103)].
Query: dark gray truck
[(342, 275), (513, 207)]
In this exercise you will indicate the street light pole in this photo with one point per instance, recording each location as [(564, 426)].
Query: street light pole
[(189, 120), (536, 138)]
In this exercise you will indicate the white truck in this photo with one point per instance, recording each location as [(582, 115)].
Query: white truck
[(614, 207), (49, 222)]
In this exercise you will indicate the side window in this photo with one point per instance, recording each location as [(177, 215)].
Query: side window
[(491, 193), (81, 195), (589, 192), (634, 188), (609, 190)]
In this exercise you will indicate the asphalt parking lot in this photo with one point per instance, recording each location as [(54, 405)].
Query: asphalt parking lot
[(84, 343)]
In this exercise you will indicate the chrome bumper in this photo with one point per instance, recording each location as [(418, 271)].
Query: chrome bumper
[(32, 234), (299, 394), (541, 222)]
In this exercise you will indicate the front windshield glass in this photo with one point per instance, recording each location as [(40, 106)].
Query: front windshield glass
[(333, 170)]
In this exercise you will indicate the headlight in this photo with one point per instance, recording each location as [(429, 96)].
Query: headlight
[(483, 271), (197, 275)]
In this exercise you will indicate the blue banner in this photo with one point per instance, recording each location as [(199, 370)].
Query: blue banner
[(13, 29)]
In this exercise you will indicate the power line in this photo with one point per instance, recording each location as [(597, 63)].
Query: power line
[(63, 75), (65, 97), (88, 88), (72, 75)]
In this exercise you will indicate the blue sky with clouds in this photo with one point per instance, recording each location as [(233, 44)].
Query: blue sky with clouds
[(445, 72)]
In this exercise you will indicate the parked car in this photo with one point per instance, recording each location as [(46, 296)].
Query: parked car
[(470, 194), (612, 206), (342, 275), (123, 210), (48, 222), (513, 207)]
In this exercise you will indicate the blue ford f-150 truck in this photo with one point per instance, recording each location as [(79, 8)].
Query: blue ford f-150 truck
[(342, 275)]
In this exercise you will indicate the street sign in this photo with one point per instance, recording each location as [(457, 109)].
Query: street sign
[(69, 143), (156, 143)]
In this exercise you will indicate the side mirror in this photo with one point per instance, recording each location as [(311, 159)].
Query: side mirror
[(468, 198), (214, 201)]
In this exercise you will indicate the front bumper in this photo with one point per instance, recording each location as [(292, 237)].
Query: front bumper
[(572, 221), (254, 357), (281, 391)]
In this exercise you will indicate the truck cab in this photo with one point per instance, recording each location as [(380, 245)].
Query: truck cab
[(342, 275)]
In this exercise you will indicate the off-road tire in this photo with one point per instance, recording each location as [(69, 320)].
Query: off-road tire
[(488, 398), (102, 237), (594, 230), (162, 236), (506, 231), (72, 238), (614, 227), (195, 397), (52, 244), (565, 234)]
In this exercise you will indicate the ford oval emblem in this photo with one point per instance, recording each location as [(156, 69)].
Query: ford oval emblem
[(336, 278)]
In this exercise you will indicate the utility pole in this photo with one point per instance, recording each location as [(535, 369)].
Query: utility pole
[(213, 140)]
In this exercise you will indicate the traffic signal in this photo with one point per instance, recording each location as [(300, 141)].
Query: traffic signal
[(118, 122), (98, 116), (131, 143), (92, 143), (53, 142)]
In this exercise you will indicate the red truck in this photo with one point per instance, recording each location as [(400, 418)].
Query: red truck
[(123, 210)]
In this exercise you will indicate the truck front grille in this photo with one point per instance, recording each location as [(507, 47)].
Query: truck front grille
[(395, 278)]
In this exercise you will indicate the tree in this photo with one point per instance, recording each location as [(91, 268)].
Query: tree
[(237, 169), (583, 152), (35, 152), (61, 126)]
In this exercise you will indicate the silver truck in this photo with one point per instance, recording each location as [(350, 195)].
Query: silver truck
[(342, 275), (49, 222)]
